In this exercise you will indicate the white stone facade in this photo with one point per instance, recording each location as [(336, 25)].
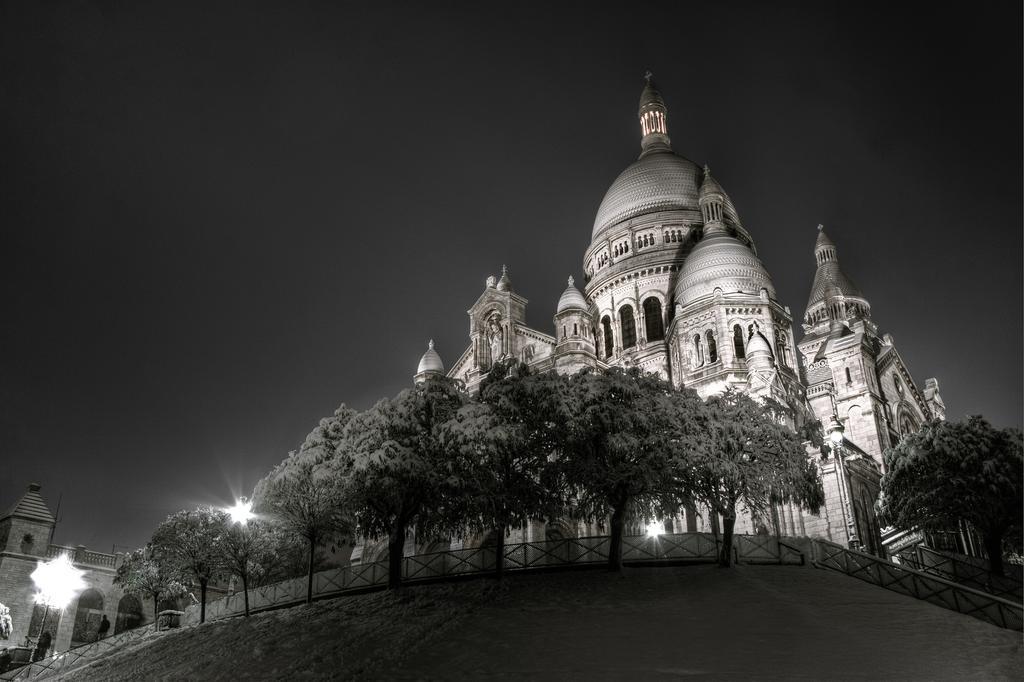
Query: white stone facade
[(674, 286)]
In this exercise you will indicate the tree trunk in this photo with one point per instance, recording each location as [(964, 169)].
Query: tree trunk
[(994, 549), (499, 552), (309, 570), (396, 545), (615, 550), (245, 591), (202, 600), (728, 522), (713, 520), (778, 531), (156, 613)]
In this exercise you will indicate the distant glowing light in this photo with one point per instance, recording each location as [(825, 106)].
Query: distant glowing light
[(58, 582), (241, 512), (655, 528)]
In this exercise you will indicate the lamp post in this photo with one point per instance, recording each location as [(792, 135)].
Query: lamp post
[(836, 437), (57, 582)]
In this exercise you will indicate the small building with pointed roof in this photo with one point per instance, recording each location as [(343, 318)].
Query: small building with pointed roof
[(26, 534)]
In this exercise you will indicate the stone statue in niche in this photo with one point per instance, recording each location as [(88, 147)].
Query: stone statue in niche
[(495, 338), (528, 353)]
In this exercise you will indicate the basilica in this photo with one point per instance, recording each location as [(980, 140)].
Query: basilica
[(673, 285)]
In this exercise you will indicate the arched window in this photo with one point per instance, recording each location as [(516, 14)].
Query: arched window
[(737, 341), (906, 424), (129, 614), (628, 325), (653, 324), (87, 617), (698, 352), (609, 343), (849, 379), (575, 329), (712, 348), (52, 621)]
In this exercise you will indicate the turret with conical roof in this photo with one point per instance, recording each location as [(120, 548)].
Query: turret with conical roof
[(834, 296), (27, 526)]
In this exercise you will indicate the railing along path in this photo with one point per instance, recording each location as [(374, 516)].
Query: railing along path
[(927, 587), (967, 573), (66, 660), (668, 549)]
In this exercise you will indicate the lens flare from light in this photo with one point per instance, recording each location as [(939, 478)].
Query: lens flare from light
[(241, 512), (655, 528), (58, 582)]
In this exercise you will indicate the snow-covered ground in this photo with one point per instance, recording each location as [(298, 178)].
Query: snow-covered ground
[(764, 622)]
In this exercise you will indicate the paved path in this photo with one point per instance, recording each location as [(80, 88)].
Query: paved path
[(703, 622)]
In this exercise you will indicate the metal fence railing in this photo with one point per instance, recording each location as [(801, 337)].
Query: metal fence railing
[(925, 586), (66, 660), (568, 552), (970, 573)]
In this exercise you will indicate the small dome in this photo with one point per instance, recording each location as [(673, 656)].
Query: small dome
[(505, 283), (758, 345), (431, 361), (720, 261), (710, 185), (571, 299)]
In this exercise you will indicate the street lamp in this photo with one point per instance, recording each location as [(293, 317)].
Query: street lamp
[(835, 431), (57, 583), (836, 437), (241, 512), (655, 528)]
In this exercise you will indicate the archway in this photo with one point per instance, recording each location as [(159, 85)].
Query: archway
[(36, 625), (87, 617), (129, 614)]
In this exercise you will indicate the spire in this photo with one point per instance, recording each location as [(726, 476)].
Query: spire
[(824, 248), (832, 288), (712, 204), (653, 116)]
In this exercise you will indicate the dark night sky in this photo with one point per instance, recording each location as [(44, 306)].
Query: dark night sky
[(218, 224)]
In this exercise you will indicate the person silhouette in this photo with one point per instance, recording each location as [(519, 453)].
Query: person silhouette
[(104, 627)]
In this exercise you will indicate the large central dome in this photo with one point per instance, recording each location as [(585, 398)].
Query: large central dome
[(655, 182)]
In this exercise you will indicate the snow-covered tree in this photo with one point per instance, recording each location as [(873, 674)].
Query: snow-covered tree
[(628, 437), (503, 445), (247, 551), (307, 501), (189, 541), (748, 456), (144, 574), (952, 471), (396, 466)]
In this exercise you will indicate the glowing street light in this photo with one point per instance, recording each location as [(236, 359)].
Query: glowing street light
[(241, 512), (58, 582), (655, 528), (835, 431)]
